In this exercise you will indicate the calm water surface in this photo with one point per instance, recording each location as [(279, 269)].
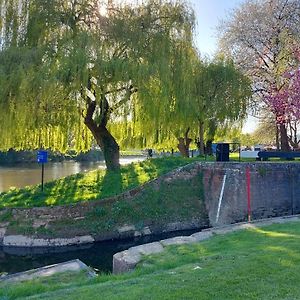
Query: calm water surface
[(21, 175)]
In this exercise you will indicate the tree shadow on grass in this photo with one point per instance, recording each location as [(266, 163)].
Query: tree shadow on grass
[(133, 175), (57, 192), (130, 177), (62, 191), (111, 184), (115, 182), (160, 166)]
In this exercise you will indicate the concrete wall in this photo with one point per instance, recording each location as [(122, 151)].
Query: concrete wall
[(274, 190)]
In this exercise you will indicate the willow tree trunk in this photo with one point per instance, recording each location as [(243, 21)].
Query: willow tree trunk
[(209, 147), (184, 144), (201, 138), (104, 139), (284, 140), (109, 147)]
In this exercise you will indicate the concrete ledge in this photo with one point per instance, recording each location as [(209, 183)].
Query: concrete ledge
[(70, 266), (127, 260), (178, 240), (202, 235), (24, 241)]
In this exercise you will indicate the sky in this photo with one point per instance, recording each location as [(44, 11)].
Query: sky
[(208, 14)]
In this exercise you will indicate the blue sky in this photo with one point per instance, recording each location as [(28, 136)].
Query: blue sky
[(208, 15)]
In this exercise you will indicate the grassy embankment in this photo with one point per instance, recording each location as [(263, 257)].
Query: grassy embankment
[(96, 184), (179, 201), (258, 263), (92, 185)]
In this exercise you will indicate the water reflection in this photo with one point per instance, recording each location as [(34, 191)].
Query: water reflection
[(21, 175)]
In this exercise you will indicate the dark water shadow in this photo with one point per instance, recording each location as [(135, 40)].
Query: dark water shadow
[(98, 255)]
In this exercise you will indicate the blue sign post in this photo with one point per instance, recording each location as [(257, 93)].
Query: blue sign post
[(42, 158)]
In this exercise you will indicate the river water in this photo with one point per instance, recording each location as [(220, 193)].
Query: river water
[(98, 255), (21, 175)]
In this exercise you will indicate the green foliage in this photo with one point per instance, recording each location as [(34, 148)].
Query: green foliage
[(248, 139), (265, 132), (214, 93), (140, 57), (57, 57), (223, 96)]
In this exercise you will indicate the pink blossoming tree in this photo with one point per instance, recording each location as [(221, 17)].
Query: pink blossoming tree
[(284, 102)]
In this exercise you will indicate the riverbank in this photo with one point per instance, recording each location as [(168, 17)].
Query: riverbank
[(12, 157), (256, 263), (21, 175), (93, 185), (169, 202), (197, 195)]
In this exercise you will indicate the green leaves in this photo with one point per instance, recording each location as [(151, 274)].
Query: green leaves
[(52, 49)]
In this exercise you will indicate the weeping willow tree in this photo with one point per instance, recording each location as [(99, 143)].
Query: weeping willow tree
[(165, 122), (73, 70), (213, 96), (222, 97), (204, 97)]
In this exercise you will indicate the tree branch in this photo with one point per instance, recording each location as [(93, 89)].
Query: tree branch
[(131, 90)]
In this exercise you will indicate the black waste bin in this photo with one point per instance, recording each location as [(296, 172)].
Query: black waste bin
[(222, 152)]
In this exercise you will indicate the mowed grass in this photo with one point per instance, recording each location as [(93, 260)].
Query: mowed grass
[(92, 185), (258, 263)]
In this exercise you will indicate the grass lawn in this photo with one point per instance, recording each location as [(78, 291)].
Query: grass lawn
[(92, 185), (258, 263)]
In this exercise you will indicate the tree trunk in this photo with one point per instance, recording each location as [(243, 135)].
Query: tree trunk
[(209, 147), (184, 144), (277, 138), (201, 138), (182, 148), (104, 139), (109, 147), (284, 140)]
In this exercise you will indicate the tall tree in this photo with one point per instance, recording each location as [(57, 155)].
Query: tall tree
[(169, 120), (284, 102), (208, 95), (222, 94), (260, 36), (69, 63)]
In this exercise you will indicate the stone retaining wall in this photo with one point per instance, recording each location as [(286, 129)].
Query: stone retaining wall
[(275, 191)]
